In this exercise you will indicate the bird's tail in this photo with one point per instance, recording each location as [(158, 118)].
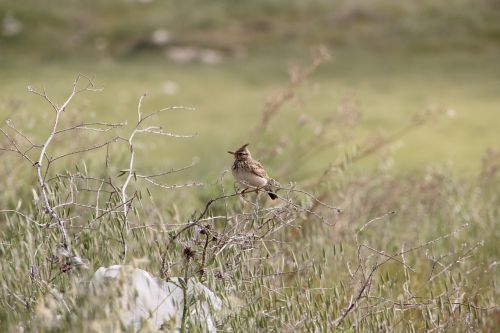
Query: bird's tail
[(270, 188), (272, 195)]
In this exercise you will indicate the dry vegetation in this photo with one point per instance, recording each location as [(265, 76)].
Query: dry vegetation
[(343, 249)]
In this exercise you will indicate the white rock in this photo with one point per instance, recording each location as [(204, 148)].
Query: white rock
[(142, 299), (183, 54), (160, 37), (11, 26), (210, 57)]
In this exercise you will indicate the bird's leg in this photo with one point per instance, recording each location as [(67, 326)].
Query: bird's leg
[(243, 192)]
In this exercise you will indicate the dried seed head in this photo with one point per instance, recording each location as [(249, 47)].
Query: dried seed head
[(188, 252), (219, 274), (204, 230)]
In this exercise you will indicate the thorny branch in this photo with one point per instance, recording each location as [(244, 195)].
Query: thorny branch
[(81, 182), (131, 172), (39, 164)]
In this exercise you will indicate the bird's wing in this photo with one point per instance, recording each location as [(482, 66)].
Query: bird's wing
[(258, 169)]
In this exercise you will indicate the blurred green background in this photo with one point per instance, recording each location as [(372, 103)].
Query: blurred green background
[(390, 59)]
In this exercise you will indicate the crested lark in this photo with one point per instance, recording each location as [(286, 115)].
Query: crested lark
[(250, 172)]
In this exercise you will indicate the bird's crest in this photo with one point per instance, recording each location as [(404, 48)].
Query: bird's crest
[(241, 150)]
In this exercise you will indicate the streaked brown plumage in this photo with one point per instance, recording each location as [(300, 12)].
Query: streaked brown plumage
[(250, 172)]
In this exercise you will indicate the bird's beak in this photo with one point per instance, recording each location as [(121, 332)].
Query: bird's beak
[(230, 152)]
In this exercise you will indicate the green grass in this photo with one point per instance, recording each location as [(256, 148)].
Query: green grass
[(303, 274), (388, 88), (432, 197)]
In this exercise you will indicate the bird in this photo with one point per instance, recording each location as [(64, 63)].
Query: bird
[(250, 172)]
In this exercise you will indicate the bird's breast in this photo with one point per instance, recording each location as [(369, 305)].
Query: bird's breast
[(248, 178)]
